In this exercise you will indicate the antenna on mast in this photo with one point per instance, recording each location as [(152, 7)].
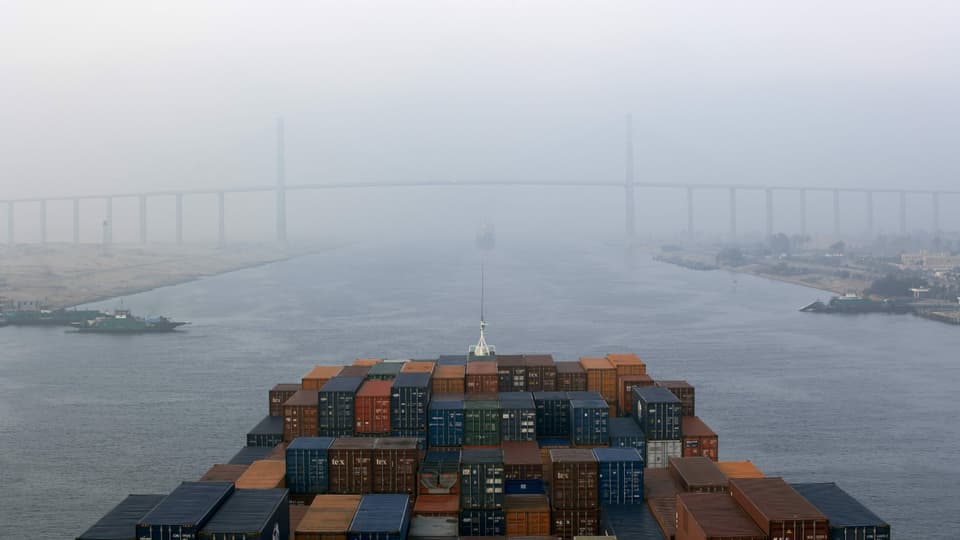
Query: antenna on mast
[(481, 348)]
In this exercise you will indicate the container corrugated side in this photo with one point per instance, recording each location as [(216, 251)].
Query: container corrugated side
[(511, 373), (329, 517), (351, 465), (267, 432), (698, 439), (518, 417), (527, 515), (381, 517), (185, 511), (251, 514), (629, 521), (445, 422), (372, 408), (483, 523), (601, 377), (778, 510), (698, 474), (657, 411), (588, 422), (709, 516), (658, 453), (300, 415), (575, 479), (336, 405), (621, 475), (481, 422), (395, 462), (409, 402), (570, 377), (279, 394), (685, 392), (307, 465), (575, 522), (625, 433), (553, 414), (120, 522), (481, 479), (541, 373)]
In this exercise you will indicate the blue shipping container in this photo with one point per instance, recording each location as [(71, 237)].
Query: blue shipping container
[(524, 487), (481, 479), (518, 417), (553, 414), (308, 469), (585, 396), (336, 406), (625, 433), (269, 432), (249, 454), (657, 411), (483, 523), (621, 475), (251, 514), (452, 360), (381, 517), (184, 512), (849, 519), (588, 421), (409, 402), (629, 521), (121, 522), (445, 424)]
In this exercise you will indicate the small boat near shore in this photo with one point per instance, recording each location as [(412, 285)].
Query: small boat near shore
[(121, 321)]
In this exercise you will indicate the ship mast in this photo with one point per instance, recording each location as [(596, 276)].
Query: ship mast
[(481, 348)]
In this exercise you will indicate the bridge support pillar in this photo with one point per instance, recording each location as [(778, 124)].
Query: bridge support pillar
[(869, 195), (836, 212), (733, 213), (903, 213), (108, 222), (690, 212), (179, 197), (221, 221), (769, 224), (281, 186), (628, 186), (43, 221), (76, 221), (935, 200), (10, 222), (143, 219), (803, 212)]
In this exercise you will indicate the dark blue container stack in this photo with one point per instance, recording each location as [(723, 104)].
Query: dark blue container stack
[(849, 519), (250, 514), (629, 521), (119, 523), (381, 517), (584, 396), (621, 475), (308, 469), (657, 411), (336, 406), (184, 512), (518, 417), (269, 432), (452, 360), (445, 421), (588, 421), (249, 454), (409, 405), (553, 414), (482, 493), (625, 433)]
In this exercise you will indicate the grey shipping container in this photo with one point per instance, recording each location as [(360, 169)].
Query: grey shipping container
[(251, 514), (518, 417), (481, 479), (268, 432), (384, 371), (657, 411), (121, 522), (184, 512), (849, 519), (335, 408)]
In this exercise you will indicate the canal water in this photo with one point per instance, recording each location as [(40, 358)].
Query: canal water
[(868, 402)]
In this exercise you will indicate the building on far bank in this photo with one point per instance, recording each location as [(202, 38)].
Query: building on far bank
[(935, 262)]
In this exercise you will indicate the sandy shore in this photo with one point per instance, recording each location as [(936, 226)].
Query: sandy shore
[(64, 275)]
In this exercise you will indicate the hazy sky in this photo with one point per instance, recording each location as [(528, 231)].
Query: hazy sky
[(101, 96)]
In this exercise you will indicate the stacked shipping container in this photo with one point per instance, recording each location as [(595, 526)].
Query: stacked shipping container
[(336, 405), (657, 411), (482, 493), (574, 496)]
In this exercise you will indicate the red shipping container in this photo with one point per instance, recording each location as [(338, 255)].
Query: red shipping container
[(319, 376), (627, 364), (601, 377), (279, 394), (570, 377), (698, 439), (521, 461), (579, 522), (395, 461), (778, 510), (575, 478), (698, 475), (481, 377), (625, 386), (372, 407), (527, 515), (300, 415), (713, 516), (437, 506), (418, 366), (664, 511), (541, 373), (350, 464), (353, 371), (685, 392), (448, 380), (659, 483)]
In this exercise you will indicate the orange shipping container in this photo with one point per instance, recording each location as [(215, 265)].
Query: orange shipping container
[(527, 515), (224, 473), (300, 415), (371, 407), (601, 377), (319, 376), (739, 469), (698, 439), (367, 361), (625, 386), (627, 364), (482, 377), (437, 506), (418, 366), (448, 380), (328, 518), (263, 474)]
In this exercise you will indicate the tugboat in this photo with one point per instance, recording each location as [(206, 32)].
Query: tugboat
[(123, 322)]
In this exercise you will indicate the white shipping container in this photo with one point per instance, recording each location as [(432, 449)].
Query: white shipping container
[(659, 453)]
